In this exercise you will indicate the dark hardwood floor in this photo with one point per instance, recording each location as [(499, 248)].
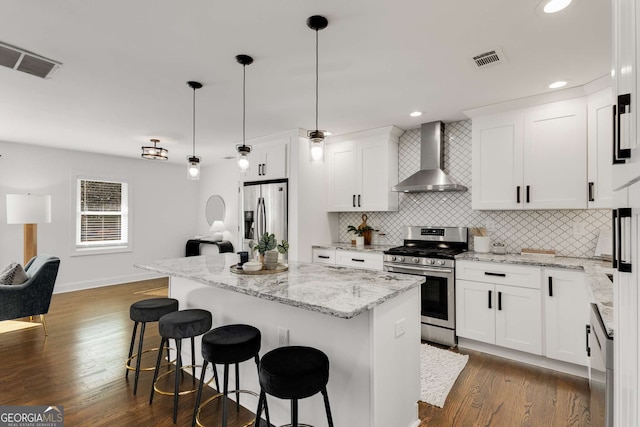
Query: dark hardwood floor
[(80, 366)]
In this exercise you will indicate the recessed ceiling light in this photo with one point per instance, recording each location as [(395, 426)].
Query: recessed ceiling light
[(327, 133), (558, 84), (416, 114), (553, 6)]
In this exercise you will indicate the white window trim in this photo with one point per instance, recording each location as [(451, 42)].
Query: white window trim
[(99, 249)]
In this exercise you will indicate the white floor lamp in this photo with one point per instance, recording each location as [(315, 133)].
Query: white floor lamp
[(30, 210)]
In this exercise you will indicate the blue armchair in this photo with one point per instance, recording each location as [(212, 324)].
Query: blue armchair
[(33, 297)]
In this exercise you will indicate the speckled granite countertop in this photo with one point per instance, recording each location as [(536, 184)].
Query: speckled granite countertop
[(350, 247), (596, 275), (336, 291)]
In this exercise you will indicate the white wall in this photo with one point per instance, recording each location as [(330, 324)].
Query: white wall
[(163, 211)]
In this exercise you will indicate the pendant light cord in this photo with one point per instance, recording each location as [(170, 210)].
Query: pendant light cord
[(316, 79), (244, 79), (194, 122)]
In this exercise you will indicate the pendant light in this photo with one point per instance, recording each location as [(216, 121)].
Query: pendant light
[(193, 162), (316, 137), (155, 152), (243, 150)]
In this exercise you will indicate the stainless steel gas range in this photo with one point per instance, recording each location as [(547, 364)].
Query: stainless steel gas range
[(430, 252)]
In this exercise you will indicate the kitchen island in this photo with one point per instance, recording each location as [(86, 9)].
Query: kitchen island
[(367, 322)]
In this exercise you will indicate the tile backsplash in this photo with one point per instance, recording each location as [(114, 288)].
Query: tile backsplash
[(543, 229)]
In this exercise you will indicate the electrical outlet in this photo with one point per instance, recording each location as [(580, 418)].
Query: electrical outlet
[(283, 337), (400, 327)]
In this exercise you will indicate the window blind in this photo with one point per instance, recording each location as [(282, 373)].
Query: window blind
[(102, 214)]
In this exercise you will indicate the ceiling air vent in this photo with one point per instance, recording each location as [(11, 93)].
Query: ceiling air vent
[(27, 62), (492, 57)]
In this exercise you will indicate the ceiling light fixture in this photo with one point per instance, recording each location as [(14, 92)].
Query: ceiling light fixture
[(316, 137), (244, 150), (416, 114), (553, 6), (558, 84), (193, 161), (155, 152)]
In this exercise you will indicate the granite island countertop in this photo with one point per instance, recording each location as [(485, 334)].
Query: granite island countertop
[(595, 275), (337, 291)]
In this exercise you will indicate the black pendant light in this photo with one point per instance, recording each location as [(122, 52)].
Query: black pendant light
[(316, 137), (193, 162), (155, 152), (244, 150)]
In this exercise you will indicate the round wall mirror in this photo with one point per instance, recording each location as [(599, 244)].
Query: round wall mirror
[(215, 209)]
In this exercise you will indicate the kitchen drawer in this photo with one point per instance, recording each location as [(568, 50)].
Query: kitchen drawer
[(498, 273), (324, 256), (368, 260)]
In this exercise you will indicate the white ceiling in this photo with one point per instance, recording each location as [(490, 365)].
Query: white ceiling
[(126, 64)]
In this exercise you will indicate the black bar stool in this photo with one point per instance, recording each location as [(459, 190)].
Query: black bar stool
[(226, 345), (293, 373), (176, 326), (147, 310)]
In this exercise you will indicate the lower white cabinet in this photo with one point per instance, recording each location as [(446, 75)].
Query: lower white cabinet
[(323, 256), (508, 316), (566, 314), (366, 260)]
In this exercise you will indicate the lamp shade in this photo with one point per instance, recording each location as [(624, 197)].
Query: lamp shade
[(28, 209)]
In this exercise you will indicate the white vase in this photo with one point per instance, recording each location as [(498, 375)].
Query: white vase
[(359, 240), (481, 244), (270, 260)]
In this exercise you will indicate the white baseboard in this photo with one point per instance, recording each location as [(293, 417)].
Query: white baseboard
[(106, 281), (531, 359)]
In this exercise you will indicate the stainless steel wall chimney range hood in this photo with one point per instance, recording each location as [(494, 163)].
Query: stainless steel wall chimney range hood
[(430, 177)]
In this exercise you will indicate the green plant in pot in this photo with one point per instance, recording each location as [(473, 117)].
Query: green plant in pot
[(359, 232), (268, 248)]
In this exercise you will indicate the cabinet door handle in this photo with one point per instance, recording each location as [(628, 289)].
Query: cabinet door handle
[(518, 194), (623, 265), (358, 200), (324, 256), (354, 201), (490, 299), (499, 300), (488, 273), (357, 260), (591, 199), (550, 286), (528, 191), (624, 107), (614, 145), (588, 328)]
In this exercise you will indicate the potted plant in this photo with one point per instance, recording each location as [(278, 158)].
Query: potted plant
[(359, 232), (265, 247)]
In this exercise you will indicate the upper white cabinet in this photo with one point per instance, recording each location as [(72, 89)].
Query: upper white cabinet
[(361, 169), (599, 154), (625, 147), (268, 161), (534, 158)]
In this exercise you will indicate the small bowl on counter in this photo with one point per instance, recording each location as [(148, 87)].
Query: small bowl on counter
[(252, 266), (499, 248)]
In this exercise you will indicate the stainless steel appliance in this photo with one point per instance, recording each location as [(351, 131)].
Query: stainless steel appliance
[(600, 351), (264, 209), (429, 252)]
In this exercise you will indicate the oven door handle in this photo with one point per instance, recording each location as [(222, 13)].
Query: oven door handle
[(394, 269)]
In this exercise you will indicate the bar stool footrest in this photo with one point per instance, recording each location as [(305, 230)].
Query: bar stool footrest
[(215, 396), (182, 393)]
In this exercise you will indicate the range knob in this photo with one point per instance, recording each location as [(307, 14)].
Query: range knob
[(416, 260), (392, 258), (400, 259), (429, 261), (440, 262)]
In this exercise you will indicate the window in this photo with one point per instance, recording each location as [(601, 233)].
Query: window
[(102, 215)]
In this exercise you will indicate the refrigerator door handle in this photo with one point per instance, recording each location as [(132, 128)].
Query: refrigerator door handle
[(260, 220)]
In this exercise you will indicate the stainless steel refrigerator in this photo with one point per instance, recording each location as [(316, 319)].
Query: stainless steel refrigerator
[(264, 209)]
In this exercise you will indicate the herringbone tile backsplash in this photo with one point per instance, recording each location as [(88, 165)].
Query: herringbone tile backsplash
[(544, 229)]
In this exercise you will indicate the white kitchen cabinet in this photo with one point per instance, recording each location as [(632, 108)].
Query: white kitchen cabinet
[(361, 169), (566, 304), (499, 304), (356, 259), (324, 256), (599, 149), (533, 158), (268, 161), (626, 57)]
